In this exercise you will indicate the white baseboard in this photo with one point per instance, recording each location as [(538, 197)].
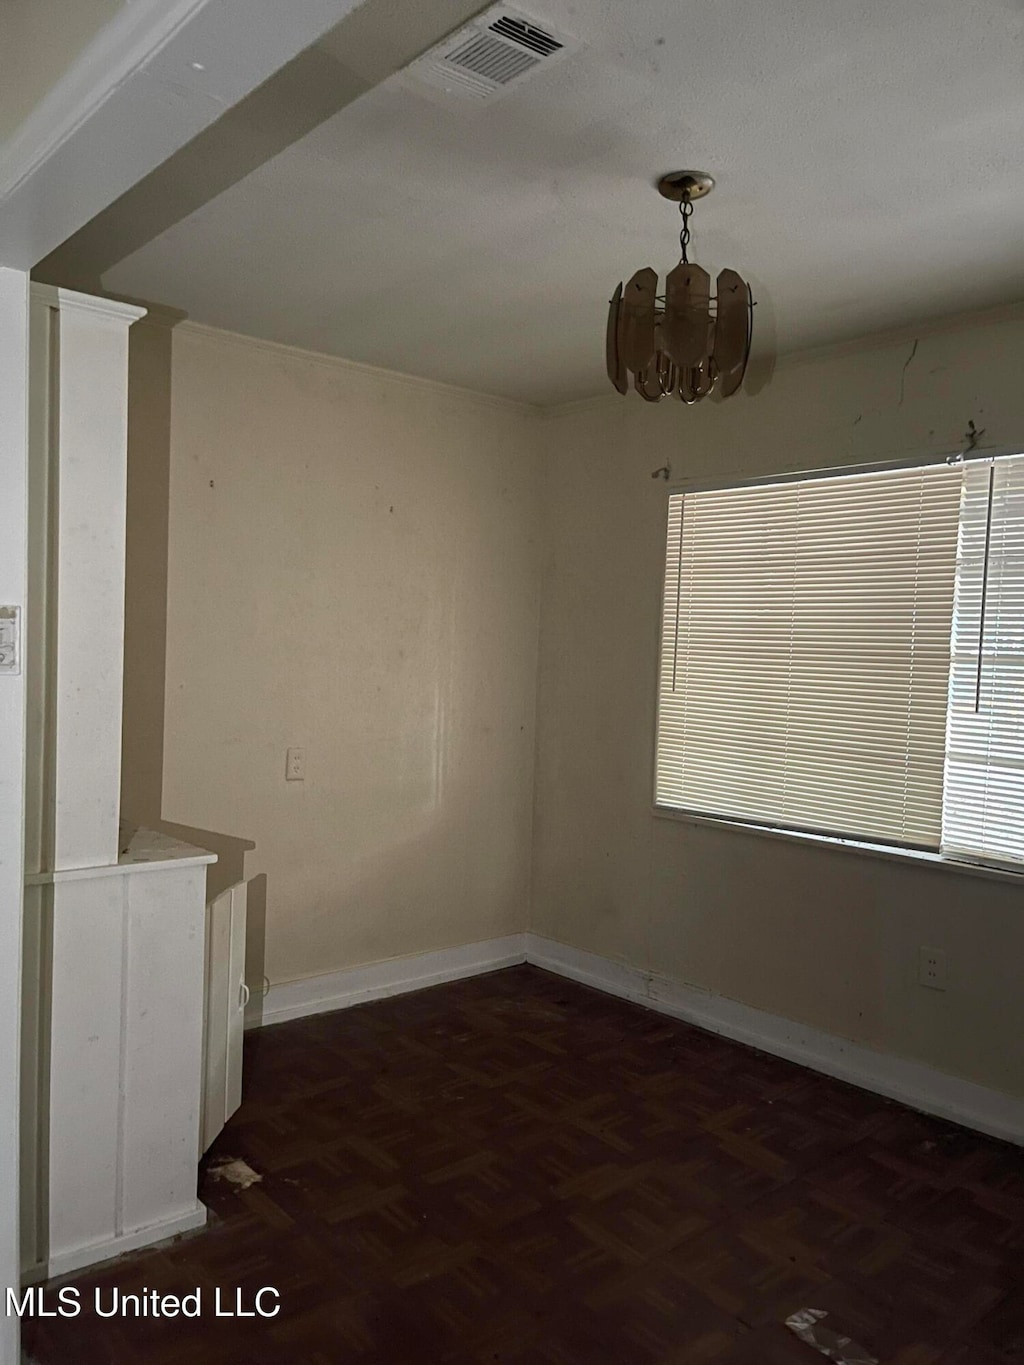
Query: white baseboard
[(338, 990), (912, 1083), (64, 1262)]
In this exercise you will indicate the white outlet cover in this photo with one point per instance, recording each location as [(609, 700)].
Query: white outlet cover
[(932, 968)]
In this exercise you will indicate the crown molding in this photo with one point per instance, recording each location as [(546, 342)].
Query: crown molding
[(834, 350), (70, 300), (203, 331), (131, 37), (155, 76)]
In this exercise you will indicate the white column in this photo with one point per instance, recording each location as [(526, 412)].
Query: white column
[(13, 572), (88, 395)]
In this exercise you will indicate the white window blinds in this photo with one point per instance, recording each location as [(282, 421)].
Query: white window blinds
[(805, 653), (984, 800)]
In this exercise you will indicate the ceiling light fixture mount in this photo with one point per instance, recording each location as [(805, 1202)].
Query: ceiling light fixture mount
[(685, 342), (680, 185)]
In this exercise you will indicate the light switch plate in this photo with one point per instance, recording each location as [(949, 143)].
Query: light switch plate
[(10, 640)]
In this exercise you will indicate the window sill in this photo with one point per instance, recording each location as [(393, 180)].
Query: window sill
[(920, 857)]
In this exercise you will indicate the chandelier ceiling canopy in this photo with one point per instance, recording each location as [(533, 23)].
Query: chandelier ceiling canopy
[(685, 342)]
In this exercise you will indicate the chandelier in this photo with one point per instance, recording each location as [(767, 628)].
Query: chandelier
[(685, 342)]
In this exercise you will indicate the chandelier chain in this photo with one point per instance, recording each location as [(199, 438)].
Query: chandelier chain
[(685, 210)]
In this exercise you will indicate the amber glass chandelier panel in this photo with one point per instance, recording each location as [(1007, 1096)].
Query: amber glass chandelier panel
[(686, 341)]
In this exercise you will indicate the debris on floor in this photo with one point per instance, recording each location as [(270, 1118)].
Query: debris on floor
[(538, 1010), (807, 1326), (236, 1171)]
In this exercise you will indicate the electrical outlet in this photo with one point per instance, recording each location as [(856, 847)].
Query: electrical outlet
[(932, 969), (295, 765), (10, 639)]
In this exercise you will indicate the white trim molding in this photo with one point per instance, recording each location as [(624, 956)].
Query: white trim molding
[(129, 39), (70, 299), (155, 76), (912, 1083), (355, 985), (892, 853), (887, 336), (202, 331)]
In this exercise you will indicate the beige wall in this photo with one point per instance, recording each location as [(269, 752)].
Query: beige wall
[(823, 936), (353, 569)]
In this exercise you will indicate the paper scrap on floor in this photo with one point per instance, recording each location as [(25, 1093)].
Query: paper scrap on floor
[(238, 1172), (807, 1326)]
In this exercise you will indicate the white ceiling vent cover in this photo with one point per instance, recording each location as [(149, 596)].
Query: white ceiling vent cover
[(483, 60)]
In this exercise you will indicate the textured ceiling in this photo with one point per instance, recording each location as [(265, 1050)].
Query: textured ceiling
[(870, 165)]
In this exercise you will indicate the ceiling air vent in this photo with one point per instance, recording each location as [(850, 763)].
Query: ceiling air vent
[(526, 35), (485, 58)]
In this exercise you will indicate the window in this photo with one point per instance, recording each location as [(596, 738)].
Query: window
[(983, 808), (845, 655)]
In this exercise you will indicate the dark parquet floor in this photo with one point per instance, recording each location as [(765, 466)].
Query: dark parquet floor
[(517, 1169)]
